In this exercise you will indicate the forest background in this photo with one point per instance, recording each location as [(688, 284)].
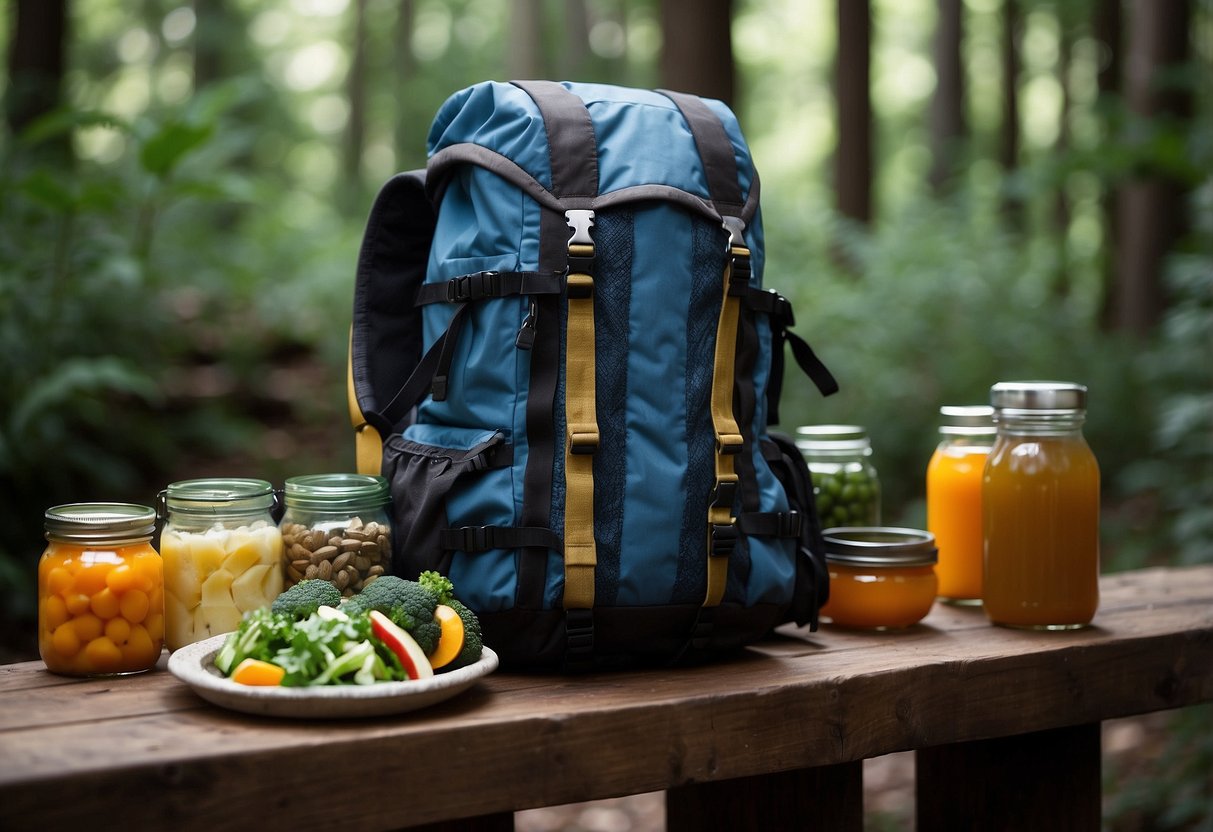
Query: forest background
[(955, 192)]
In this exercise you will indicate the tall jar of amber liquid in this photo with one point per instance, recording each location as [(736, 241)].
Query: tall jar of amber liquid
[(954, 482), (1040, 497), (100, 590)]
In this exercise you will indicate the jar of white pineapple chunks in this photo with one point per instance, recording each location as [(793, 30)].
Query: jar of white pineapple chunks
[(222, 554)]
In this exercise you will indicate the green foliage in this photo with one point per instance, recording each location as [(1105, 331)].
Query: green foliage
[(946, 304)]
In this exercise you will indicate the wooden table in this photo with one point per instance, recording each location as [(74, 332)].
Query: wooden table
[(1006, 724)]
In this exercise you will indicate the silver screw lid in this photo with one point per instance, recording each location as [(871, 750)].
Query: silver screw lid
[(108, 522), (880, 546), (1038, 395)]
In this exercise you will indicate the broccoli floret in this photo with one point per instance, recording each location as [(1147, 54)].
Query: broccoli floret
[(409, 604), (473, 638), (437, 584), (305, 597)]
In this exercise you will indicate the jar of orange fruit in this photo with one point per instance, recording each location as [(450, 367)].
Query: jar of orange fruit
[(100, 590), (881, 578)]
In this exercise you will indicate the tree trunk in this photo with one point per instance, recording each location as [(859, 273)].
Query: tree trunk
[(948, 129), (1008, 143), (853, 154), (1061, 147), (576, 39), (355, 125), (36, 63), (524, 60), (1107, 27), (1151, 206), (697, 48), (410, 126)]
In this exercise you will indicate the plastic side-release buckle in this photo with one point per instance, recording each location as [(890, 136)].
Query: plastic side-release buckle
[(724, 539), (724, 494), (789, 524), (474, 538), (473, 286)]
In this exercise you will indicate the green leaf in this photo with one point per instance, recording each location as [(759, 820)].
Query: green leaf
[(79, 378), (58, 122), (165, 148)]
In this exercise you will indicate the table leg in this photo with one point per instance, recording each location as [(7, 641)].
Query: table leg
[(823, 797), (1043, 780)]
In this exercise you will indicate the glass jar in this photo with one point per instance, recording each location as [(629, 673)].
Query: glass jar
[(954, 476), (100, 590), (845, 483), (880, 578), (222, 554), (1040, 500), (336, 527)]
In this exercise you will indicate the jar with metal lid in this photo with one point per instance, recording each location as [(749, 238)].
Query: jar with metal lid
[(953, 485), (1040, 499), (222, 554), (336, 527), (845, 483), (881, 578), (100, 590)]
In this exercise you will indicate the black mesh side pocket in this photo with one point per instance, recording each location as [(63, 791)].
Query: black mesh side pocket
[(421, 477)]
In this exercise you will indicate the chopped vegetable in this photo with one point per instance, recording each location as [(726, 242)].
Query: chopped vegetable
[(406, 648), (407, 603), (305, 597), (260, 635), (473, 639), (451, 642), (257, 672)]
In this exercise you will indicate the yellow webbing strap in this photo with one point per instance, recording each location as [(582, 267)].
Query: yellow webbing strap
[(368, 445), (721, 522), (580, 552)]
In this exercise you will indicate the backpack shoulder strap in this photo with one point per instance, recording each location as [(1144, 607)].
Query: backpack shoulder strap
[(386, 335)]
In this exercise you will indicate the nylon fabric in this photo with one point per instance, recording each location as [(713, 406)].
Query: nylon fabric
[(581, 427), (614, 242)]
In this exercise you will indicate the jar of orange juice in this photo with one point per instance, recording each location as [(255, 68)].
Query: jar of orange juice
[(100, 590), (954, 476), (1040, 499)]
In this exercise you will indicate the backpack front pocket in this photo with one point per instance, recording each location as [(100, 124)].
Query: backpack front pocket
[(426, 466)]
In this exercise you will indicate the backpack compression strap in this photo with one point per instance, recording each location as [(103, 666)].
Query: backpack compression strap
[(720, 168), (573, 155)]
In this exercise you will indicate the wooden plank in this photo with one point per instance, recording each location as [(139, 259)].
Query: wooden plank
[(823, 797), (1043, 780), (532, 740)]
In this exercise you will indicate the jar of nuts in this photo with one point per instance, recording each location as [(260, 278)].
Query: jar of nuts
[(336, 527), (845, 483)]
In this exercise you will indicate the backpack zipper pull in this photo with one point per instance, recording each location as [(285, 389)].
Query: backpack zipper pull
[(526, 335)]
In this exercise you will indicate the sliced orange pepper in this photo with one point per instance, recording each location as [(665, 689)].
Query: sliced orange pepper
[(257, 672), (450, 643)]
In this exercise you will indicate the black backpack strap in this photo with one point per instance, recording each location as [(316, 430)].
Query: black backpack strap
[(715, 151), (386, 335), (573, 160), (812, 586), (779, 310)]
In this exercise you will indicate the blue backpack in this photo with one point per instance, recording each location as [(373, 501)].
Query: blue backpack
[(563, 360)]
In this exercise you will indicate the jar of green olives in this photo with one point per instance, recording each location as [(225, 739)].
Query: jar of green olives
[(845, 483)]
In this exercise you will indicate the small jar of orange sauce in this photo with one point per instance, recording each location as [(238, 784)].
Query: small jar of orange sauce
[(1040, 499), (100, 590), (881, 578), (954, 477)]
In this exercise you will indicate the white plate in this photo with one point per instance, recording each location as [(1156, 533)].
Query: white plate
[(195, 665)]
